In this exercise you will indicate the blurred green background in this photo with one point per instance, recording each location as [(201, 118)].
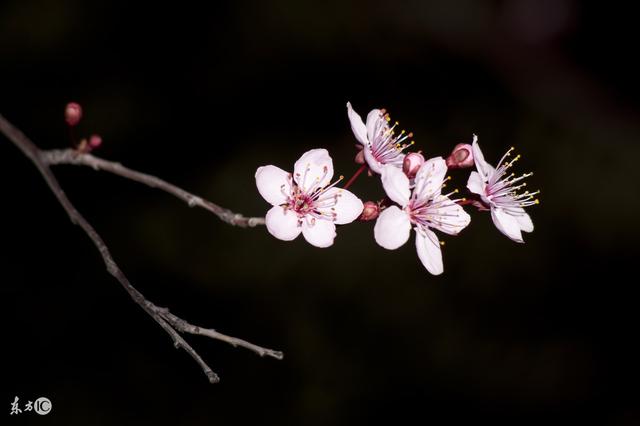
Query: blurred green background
[(202, 95)]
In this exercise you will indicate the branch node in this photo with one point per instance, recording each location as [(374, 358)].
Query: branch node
[(169, 322)]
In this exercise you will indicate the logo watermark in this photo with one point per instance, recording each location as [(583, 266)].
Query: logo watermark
[(41, 406)]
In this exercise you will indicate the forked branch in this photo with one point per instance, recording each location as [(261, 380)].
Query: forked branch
[(172, 324)]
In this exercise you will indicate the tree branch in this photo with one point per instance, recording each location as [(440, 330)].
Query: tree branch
[(185, 327), (70, 156), (172, 324)]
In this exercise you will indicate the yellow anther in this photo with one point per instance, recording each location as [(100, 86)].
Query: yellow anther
[(456, 191), (464, 199), (441, 243), (537, 201)]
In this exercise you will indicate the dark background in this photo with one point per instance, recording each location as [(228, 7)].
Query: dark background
[(540, 333)]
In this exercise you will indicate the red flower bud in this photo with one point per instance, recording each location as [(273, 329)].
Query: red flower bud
[(460, 157), (359, 159), (411, 164), (95, 141), (72, 113), (370, 211)]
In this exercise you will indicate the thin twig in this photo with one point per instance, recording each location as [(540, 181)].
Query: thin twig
[(169, 322), (70, 156), (355, 176), (185, 327)]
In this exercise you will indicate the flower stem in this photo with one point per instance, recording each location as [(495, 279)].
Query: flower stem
[(355, 176), (72, 137), (474, 202)]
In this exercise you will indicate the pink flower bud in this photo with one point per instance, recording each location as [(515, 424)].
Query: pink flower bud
[(72, 113), (461, 157), (359, 159), (370, 211), (412, 163), (95, 141)]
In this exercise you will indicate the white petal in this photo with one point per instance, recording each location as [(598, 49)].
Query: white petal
[(485, 169), (476, 184), (357, 125), (396, 184), (392, 228), (375, 121), (318, 232), (429, 252), (347, 208), (373, 164), (430, 177), (451, 217), (282, 223), (313, 169), (524, 220), (507, 224), (274, 184)]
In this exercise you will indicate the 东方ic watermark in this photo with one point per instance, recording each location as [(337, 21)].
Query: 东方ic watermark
[(40, 406)]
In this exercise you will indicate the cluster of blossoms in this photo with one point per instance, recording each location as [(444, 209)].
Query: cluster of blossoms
[(308, 202)]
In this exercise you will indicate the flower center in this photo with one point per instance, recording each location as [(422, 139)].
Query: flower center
[(506, 190), (301, 203), (387, 146), (312, 202), (433, 211)]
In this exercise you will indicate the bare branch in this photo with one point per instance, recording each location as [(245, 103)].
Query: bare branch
[(185, 327), (172, 324), (69, 156)]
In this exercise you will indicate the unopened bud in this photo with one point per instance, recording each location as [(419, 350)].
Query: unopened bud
[(412, 163), (370, 211), (359, 159), (72, 113), (95, 141), (460, 157)]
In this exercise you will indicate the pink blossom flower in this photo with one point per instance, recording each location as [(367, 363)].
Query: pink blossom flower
[(500, 192), (424, 208), (381, 144), (306, 201)]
